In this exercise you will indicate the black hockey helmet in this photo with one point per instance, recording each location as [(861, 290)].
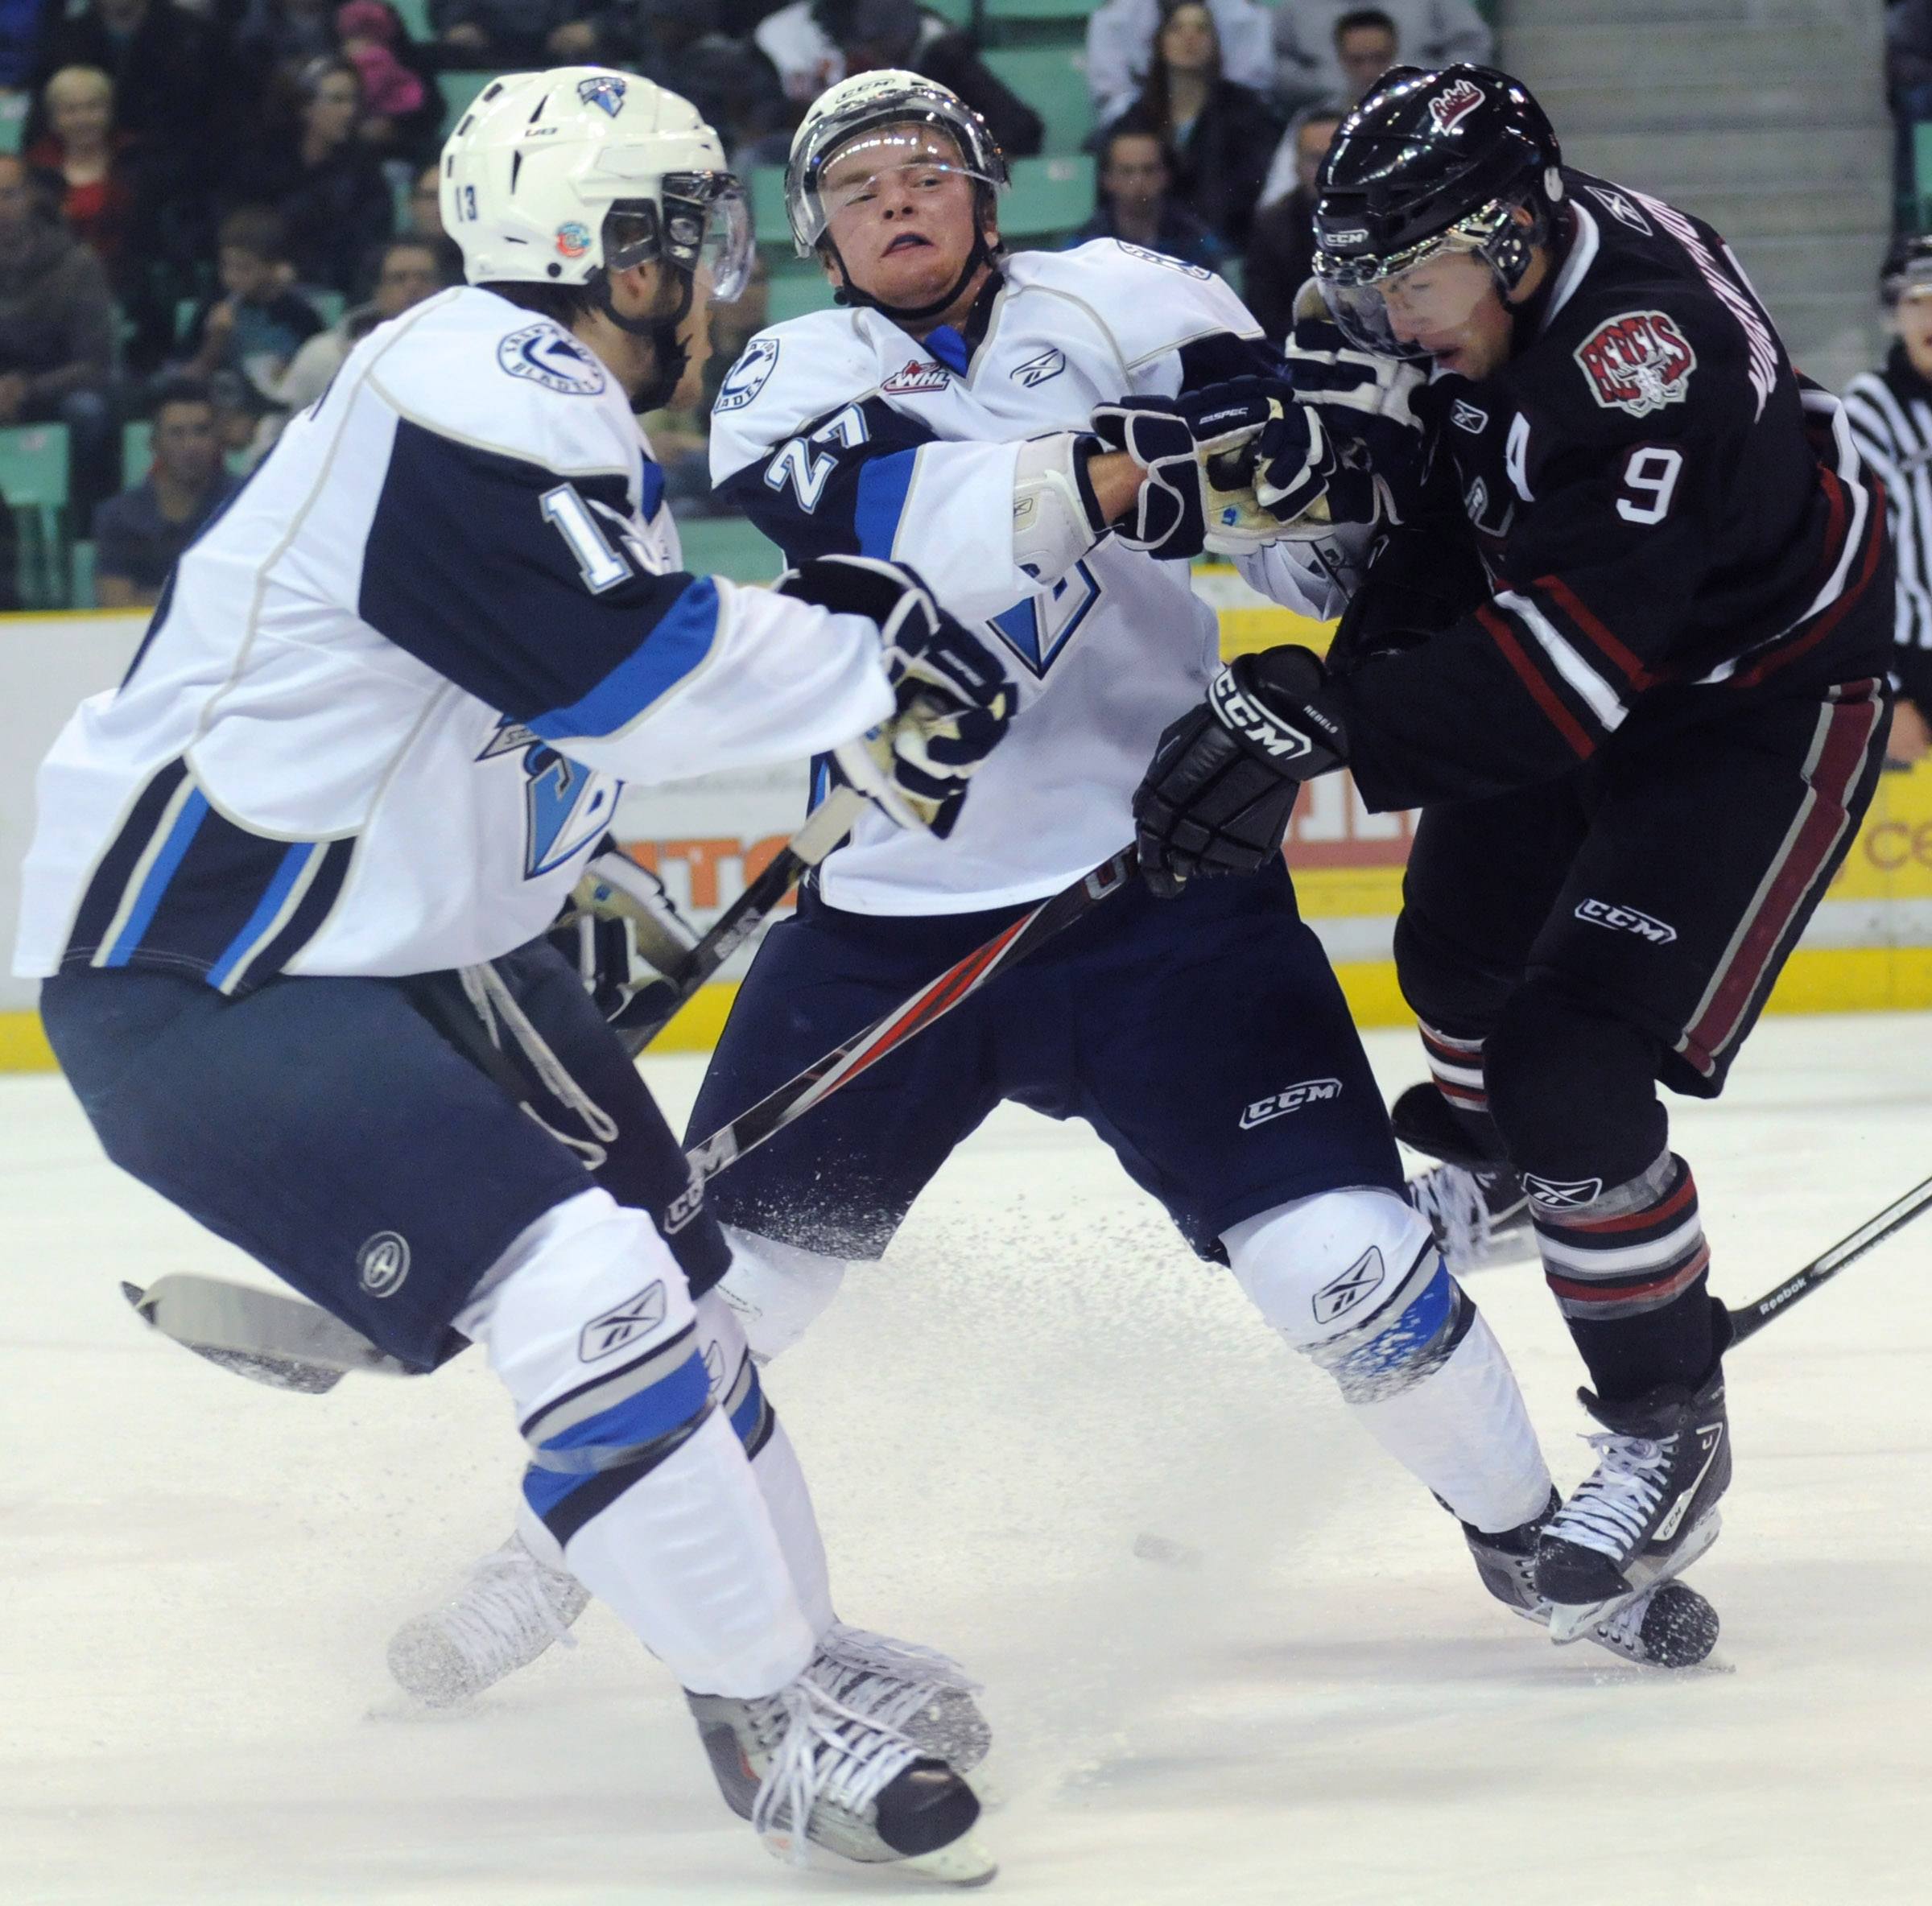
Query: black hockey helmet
[(1430, 162), (1908, 267)]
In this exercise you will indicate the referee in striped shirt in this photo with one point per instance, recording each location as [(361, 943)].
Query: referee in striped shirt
[(1890, 412)]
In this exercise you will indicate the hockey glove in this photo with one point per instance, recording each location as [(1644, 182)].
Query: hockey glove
[(954, 701), (1367, 400), (627, 941), (1167, 520), (1218, 795), (1269, 465)]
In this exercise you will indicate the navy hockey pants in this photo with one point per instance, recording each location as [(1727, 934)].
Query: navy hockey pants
[(327, 1127)]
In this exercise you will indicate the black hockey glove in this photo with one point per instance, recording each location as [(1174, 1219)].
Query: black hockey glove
[(955, 700), (1367, 401), (627, 940), (1167, 520), (1217, 796)]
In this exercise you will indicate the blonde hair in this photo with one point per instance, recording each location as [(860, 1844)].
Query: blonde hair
[(87, 73)]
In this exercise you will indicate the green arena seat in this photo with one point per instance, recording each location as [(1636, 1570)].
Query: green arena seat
[(767, 187), (1050, 197), (1051, 81), (34, 479), (137, 452), (730, 547), (81, 587), (796, 289), (459, 91)]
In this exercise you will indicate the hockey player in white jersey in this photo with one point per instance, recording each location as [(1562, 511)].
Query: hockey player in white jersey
[(288, 880), (1022, 428)]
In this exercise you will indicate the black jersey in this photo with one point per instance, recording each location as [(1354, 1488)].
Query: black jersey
[(1671, 519)]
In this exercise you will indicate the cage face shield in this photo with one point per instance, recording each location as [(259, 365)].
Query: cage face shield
[(899, 159), (1385, 305), (700, 222)]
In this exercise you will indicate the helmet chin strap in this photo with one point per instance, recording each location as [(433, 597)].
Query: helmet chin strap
[(669, 351), (848, 293)]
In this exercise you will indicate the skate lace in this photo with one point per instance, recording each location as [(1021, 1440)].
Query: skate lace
[(887, 1680), (1612, 1510), (1452, 1199), (827, 1754), (504, 1606)]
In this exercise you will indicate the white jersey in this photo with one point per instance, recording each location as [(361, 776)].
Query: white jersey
[(838, 433), (382, 712)]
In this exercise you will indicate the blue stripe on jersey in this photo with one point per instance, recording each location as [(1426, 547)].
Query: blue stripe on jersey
[(272, 903), (194, 809), (681, 640), (883, 485), (102, 902), (651, 490)]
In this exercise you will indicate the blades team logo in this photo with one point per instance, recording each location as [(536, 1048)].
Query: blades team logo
[(1448, 110), (542, 354), (603, 90), (567, 806), (750, 375), (1638, 362)]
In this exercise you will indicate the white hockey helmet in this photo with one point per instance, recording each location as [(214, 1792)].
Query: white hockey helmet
[(875, 103), (552, 177)]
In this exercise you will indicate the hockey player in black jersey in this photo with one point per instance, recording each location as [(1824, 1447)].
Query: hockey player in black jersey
[(1627, 649)]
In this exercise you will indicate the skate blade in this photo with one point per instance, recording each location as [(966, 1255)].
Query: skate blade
[(1572, 1621), (965, 1862)]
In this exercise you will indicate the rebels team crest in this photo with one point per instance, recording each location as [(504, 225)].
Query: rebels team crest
[(1447, 110), (1638, 362)]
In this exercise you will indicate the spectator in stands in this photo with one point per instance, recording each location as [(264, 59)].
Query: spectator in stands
[(814, 44), (259, 321), (411, 270), (513, 33), (96, 163), (1890, 413), (56, 332), (282, 37), (1136, 205), (733, 85), (140, 534), (1908, 93), (335, 205), (401, 109), (1120, 49), (173, 83), (1221, 135), (1309, 60), (426, 204), (1281, 249)]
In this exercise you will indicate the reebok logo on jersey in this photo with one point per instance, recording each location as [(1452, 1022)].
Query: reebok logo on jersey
[(1625, 919), (1465, 416), (1562, 1195), (1447, 110), (918, 377), (1638, 362), (1036, 370), (623, 1323), (1340, 1295), (382, 1263), (542, 354), (1620, 208), (1161, 257), (1310, 1092), (749, 376)]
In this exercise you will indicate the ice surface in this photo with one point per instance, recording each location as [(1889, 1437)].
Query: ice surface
[(1297, 1692)]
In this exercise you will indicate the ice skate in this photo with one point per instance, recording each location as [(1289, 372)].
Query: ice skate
[(1670, 1626), (1645, 1513), (860, 1790), (924, 1694), (1476, 1207), (509, 1608)]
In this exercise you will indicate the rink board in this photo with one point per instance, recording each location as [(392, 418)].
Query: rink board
[(1869, 948)]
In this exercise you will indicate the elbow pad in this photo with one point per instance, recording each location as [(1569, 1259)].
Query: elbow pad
[(1056, 517)]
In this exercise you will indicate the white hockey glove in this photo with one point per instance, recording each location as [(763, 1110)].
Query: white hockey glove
[(955, 700), (627, 940), (1056, 517)]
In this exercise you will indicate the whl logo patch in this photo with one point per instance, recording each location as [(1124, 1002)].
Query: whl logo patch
[(1625, 919), (1340, 1295), (634, 1318), (1310, 1092), (915, 378), (1638, 362)]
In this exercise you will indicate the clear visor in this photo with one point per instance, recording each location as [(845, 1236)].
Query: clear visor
[(894, 162), (1406, 311), (705, 226)]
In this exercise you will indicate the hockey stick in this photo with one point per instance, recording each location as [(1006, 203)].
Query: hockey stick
[(825, 826), (1748, 1320), (292, 1345)]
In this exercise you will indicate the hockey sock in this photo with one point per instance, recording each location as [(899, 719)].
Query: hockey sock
[(1353, 1280), (1628, 1268), (1456, 1064), (636, 1472)]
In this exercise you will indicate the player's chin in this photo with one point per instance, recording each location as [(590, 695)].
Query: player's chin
[(914, 276)]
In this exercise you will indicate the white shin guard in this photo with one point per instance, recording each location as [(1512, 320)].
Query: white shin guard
[(1353, 1280), (643, 1483), (777, 1290)]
